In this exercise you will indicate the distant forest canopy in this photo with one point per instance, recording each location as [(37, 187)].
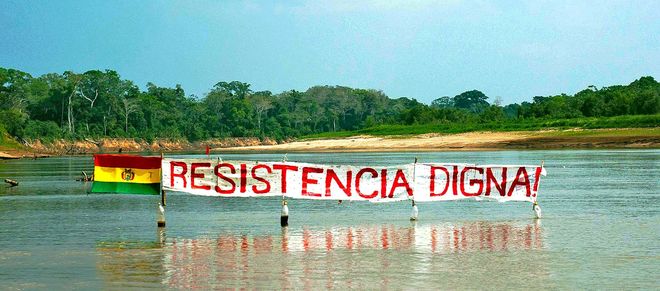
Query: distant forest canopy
[(102, 104)]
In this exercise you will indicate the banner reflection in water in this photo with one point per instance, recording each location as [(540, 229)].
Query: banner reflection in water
[(334, 257)]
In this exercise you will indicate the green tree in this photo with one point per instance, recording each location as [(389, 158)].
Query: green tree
[(443, 102), (474, 101)]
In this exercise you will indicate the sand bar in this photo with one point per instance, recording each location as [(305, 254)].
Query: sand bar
[(469, 141)]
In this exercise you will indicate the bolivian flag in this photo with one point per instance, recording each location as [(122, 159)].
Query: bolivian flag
[(126, 174)]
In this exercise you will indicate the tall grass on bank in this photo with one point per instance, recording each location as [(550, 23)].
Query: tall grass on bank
[(624, 121), (6, 142)]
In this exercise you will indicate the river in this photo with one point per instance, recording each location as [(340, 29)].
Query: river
[(600, 230)]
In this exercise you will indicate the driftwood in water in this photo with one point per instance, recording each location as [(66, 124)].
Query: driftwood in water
[(86, 178), (12, 183)]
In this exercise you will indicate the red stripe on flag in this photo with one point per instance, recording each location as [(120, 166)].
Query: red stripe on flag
[(127, 161)]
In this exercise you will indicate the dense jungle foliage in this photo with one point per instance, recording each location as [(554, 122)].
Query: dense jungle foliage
[(101, 104)]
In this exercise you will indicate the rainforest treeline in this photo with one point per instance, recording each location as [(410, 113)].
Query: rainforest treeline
[(98, 104)]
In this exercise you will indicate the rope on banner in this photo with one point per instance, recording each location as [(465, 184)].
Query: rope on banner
[(217, 178)]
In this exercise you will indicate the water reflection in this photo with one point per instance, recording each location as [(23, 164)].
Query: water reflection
[(132, 263), (426, 238), (310, 258)]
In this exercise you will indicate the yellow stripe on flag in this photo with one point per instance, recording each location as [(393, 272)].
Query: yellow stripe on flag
[(126, 175)]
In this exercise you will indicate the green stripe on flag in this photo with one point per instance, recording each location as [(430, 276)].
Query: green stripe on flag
[(126, 188)]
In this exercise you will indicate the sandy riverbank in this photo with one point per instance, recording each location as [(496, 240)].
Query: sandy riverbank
[(554, 139), (549, 139), (37, 149), (6, 156)]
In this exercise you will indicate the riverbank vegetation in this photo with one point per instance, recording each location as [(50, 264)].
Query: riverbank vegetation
[(533, 124), (100, 104)]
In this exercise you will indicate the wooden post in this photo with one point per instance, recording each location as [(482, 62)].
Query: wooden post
[(163, 198), (284, 217), (415, 212), (161, 206), (414, 169), (161, 237), (161, 216), (535, 206)]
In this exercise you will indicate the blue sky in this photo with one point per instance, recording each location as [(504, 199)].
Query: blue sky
[(413, 48)]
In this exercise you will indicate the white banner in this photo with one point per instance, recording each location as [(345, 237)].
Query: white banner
[(421, 182)]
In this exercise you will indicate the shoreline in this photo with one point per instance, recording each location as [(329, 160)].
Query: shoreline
[(472, 141), (61, 147), (620, 138)]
